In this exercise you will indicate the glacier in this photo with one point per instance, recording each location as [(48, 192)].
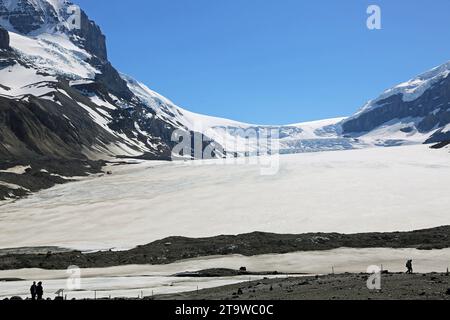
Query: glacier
[(372, 189)]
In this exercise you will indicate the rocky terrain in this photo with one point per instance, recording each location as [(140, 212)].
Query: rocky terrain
[(223, 272), (178, 248), (34, 175), (394, 286), (348, 286)]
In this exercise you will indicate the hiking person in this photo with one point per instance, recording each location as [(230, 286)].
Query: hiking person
[(39, 290), (409, 267), (33, 291)]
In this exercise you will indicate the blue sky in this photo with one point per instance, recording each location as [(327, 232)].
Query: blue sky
[(272, 61)]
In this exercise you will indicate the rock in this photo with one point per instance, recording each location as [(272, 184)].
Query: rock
[(440, 137), (91, 37), (448, 292), (15, 298), (110, 78), (407, 129), (4, 39), (440, 145)]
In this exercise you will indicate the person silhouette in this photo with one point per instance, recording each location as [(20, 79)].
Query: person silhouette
[(39, 290), (409, 267), (33, 291)]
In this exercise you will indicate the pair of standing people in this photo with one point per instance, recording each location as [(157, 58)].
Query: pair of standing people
[(37, 291)]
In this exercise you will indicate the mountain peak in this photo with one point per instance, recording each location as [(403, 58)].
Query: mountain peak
[(35, 17), (411, 89), (31, 16)]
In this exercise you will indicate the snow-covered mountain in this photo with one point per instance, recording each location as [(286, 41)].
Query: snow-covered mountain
[(237, 137), (100, 113), (61, 97), (37, 17), (415, 111)]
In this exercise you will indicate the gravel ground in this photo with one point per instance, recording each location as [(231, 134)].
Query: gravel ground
[(396, 286)]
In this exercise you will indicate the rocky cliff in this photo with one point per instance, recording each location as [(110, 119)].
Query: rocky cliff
[(4, 39)]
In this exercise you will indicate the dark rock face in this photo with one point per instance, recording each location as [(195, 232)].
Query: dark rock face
[(4, 39), (439, 136), (433, 107), (91, 38), (110, 78), (38, 128)]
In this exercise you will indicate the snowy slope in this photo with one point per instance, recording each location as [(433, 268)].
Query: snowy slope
[(412, 89), (48, 16), (49, 56), (235, 136), (54, 54)]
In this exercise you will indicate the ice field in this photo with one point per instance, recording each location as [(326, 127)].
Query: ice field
[(375, 189)]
